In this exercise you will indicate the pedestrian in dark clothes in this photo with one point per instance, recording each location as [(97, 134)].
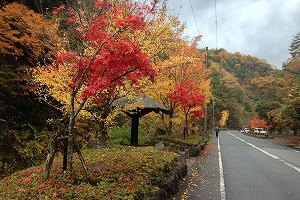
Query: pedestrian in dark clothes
[(217, 131)]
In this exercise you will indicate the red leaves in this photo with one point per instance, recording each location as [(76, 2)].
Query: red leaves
[(110, 56), (56, 10), (133, 22), (197, 114), (99, 4), (187, 95), (97, 30), (129, 184), (27, 180), (71, 20), (258, 123), (69, 56)]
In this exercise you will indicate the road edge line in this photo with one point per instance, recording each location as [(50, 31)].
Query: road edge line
[(267, 153), (222, 182)]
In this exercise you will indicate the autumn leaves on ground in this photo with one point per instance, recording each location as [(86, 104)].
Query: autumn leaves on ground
[(64, 63)]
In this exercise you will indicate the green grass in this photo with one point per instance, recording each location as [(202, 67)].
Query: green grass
[(115, 173)]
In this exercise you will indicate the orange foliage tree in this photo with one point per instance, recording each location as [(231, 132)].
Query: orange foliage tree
[(23, 33), (258, 123)]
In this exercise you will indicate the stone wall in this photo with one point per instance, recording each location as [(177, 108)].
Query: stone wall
[(170, 185)]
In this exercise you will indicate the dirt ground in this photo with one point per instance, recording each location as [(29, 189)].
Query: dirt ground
[(286, 140)]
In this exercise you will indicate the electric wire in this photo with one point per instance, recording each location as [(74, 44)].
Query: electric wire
[(216, 20), (196, 22)]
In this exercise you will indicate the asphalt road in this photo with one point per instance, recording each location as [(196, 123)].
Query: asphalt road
[(239, 167)]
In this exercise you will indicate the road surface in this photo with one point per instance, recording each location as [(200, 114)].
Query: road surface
[(239, 167)]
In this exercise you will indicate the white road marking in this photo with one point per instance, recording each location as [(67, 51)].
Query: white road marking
[(222, 182), (267, 153), (296, 151)]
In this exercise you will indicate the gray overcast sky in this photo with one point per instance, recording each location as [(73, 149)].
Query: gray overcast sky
[(260, 28)]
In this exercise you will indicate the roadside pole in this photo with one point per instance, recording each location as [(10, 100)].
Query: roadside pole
[(205, 105)]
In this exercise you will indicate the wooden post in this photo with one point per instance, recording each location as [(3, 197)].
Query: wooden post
[(80, 156), (65, 142), (134, 130), (50, 157)]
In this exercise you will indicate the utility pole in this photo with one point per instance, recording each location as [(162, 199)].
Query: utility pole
[(213, 122), (205, 119), (205, 106)]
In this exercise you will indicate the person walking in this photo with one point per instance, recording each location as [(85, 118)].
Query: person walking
[(217, 131)]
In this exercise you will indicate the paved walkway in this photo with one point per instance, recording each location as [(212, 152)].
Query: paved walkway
[(203, 179)]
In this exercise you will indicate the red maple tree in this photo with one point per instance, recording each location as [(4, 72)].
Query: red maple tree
[(104, 55), (188, 96)]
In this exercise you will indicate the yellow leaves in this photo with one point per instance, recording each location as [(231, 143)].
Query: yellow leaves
[(56, 79), (224, 117), (263, 82), (229, 79), (161, 35), (205, 89)]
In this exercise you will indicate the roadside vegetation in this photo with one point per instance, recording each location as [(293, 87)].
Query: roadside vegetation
[(114, 173), (260, 135)]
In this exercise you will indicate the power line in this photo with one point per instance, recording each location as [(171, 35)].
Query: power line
[(216, 16), (196, 21), (194, 17)]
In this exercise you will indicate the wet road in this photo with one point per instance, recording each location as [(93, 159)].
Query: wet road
[(238, 167)]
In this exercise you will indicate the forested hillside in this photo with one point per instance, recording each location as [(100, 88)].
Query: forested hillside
[(250, 87)]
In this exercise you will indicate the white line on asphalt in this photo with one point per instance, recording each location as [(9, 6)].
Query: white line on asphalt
[(222, 182), (267, 153), (296, 151)]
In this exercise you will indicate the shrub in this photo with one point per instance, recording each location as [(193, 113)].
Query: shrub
[(121, 135), (259, 135), (192, 141)]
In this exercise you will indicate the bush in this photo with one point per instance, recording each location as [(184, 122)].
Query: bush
[(192, 141), (21, 149), (259, 135), (121, 135), (115, 173)]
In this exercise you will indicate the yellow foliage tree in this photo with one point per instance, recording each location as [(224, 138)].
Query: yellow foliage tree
[(183, 62), (224, 118)]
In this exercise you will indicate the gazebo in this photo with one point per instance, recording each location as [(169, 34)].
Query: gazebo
[(144, 105)]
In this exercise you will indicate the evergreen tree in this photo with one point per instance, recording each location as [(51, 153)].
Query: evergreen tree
[(295, 46)]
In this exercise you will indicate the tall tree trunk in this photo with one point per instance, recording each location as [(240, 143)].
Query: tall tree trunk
[(103, 131), (185, 129), (103, 127)]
